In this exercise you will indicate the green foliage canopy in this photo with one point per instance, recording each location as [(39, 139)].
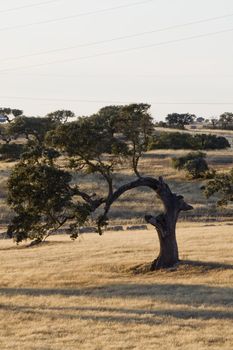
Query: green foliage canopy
[(60, 116), (178, 121), (40, 195), (32, 127), (43, 195)]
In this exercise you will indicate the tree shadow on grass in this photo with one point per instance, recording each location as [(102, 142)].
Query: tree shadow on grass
[(120, 315), (187, 301), (173, 293), (30, 246)]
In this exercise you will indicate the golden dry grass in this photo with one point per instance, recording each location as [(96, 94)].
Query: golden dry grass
[(95, 293)]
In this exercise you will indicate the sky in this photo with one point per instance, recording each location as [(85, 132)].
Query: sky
[(81, 55)]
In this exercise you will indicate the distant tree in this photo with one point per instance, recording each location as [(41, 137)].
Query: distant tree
[(214, 123), (176, 120), (44, 197), (9, 114), (61, 116), (109, 118), (200, 120), (161, 124), (32, 127), (226, 121)]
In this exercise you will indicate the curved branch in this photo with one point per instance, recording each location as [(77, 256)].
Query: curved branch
[(173, 203), (142, 181)]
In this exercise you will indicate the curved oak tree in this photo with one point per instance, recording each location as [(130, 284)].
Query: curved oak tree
[(44, 195), (165, 223)]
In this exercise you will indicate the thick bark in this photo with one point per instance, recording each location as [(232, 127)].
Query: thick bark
[(168, 254), (165, 223)]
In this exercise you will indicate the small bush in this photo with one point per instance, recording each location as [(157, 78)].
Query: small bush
[(222, 185), (194, 163), (196, 168), (179, 163)]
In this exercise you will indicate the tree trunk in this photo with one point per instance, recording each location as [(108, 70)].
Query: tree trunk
[(165, 223), (168, 254)]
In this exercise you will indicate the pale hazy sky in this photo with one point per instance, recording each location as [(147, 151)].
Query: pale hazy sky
[(194, 71)]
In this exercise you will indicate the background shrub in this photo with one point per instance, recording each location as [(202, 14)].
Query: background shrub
[(193, 163), (178, 140)]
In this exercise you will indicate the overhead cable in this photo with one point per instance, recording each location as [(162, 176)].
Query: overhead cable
[(109, 53), (12, 9), (82, 14), (135, 35)]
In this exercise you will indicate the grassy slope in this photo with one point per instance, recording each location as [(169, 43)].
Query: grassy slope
[(95, 294)]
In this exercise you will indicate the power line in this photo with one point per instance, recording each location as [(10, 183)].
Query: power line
[(109, 53), (55, 20), (115, 101), (12, 9), (149, 75), (210, 19)]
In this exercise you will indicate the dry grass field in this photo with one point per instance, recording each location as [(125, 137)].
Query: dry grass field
[(96, 293)]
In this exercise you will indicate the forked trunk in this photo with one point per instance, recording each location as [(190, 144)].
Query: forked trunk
[(165, 223)]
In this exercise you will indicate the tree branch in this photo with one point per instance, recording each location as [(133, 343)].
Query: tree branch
[(142, 181), (173, 204), (94, 203)]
